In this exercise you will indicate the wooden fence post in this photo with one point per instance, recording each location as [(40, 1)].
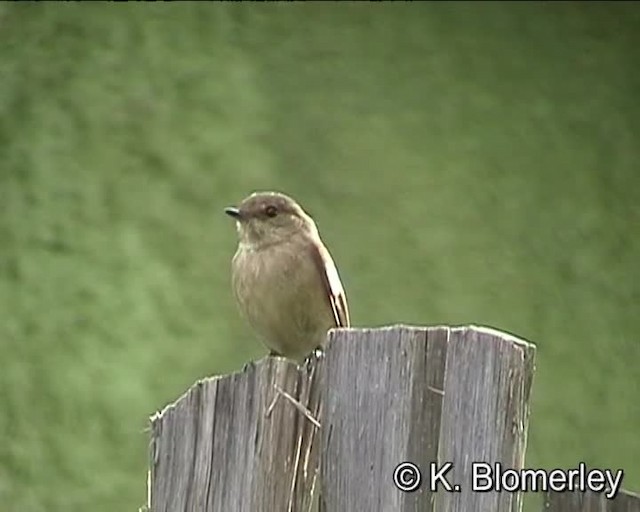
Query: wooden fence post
[(238, 442), (427, 396), (254, 440)]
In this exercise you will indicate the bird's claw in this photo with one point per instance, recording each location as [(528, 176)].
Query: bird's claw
[(314, 356)]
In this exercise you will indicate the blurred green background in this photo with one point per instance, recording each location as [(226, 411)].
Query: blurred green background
[(466, 163)]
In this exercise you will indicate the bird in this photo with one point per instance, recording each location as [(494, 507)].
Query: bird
[(283, 277)]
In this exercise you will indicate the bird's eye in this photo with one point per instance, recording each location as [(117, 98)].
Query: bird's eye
[(271, 211)]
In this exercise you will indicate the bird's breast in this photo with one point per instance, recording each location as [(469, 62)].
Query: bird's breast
[(281, 293)]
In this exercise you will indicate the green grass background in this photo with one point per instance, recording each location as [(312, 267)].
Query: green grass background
[(465, 162)]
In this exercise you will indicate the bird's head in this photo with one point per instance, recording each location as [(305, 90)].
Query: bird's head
[(267, 218)]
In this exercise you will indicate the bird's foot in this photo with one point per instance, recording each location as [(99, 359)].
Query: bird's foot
[(314, 356)]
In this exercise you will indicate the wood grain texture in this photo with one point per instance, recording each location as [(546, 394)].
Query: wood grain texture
[(221, 447), (425, 395), (590, 502), (485, 413), (383, 396), (382, 407)]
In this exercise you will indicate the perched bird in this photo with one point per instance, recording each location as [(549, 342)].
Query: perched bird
[(283, 277)]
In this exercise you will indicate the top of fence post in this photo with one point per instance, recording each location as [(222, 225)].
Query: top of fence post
[(429, 396), (238, 442), (249, 441)]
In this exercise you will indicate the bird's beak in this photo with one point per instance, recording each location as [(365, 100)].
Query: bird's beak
[(232, 211)]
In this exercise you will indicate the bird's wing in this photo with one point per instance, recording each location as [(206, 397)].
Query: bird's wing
[(331, 280)]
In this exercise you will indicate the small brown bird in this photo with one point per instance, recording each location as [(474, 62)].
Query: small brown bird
[(283, 277)]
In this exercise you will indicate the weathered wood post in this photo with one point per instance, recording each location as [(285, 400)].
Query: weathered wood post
[(238, 442), (383, 397), (428, 396)]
